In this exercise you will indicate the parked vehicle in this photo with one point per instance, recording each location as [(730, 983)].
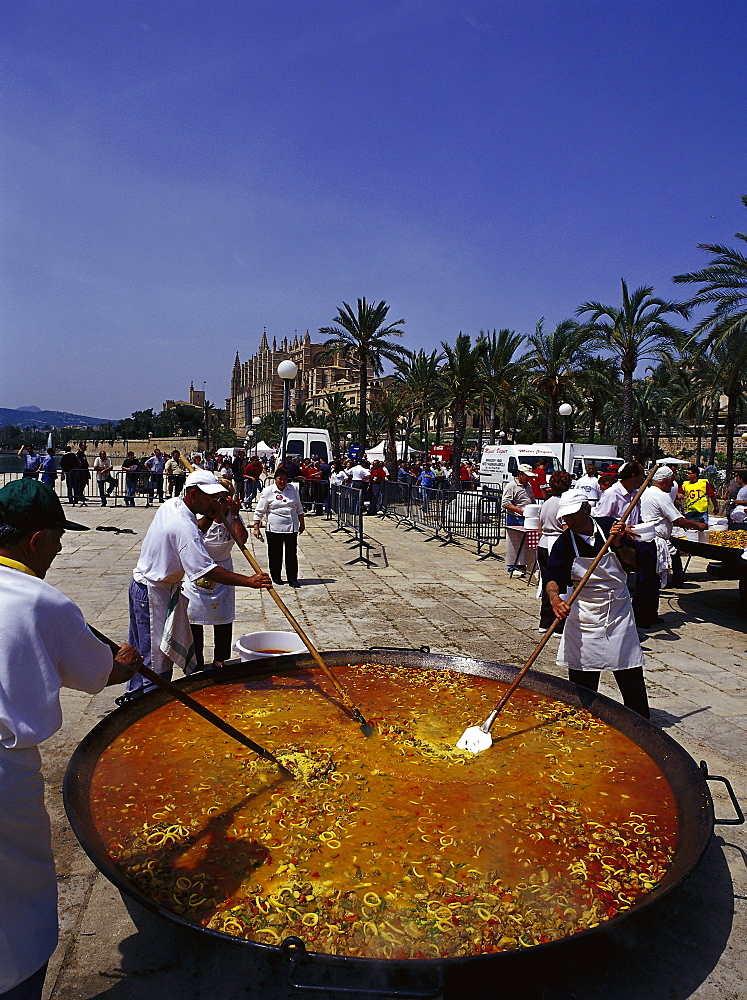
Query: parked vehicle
[(308, 442), (500, 462), (578, 455)]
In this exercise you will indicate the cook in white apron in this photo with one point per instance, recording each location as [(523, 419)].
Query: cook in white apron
[(600, 631), (212, 603)]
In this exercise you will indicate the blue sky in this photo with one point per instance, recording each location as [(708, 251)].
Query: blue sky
[(176, 176)]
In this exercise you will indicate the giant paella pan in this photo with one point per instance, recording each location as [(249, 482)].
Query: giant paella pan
[(399, 849)]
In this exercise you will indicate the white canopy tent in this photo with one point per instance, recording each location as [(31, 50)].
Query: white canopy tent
[(377, 453)]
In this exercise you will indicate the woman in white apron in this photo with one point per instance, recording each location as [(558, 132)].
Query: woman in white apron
[(600, 631), (213, 603)]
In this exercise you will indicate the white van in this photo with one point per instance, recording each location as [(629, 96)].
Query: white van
[(500, 462), (308, 442)]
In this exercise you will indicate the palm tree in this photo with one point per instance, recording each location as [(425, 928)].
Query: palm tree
[(499, 371), (552, 366), (302, 415), (634, 333), (724, 283), (363, 340), (391, 407), (729, 354), (462, 380), (419, 377), (597, 382), (337, 413)]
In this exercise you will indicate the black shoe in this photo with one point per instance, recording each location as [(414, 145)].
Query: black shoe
[(278, 583), (123, 699), (293, 583)]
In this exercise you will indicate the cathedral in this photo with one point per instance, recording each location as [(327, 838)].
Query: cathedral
[(257, 389)]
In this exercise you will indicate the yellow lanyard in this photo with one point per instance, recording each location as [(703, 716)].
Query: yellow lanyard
[(14, 564)]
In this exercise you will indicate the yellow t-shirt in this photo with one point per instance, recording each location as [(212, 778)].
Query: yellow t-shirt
[(696, 495)]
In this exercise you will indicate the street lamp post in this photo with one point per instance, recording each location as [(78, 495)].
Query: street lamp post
[(565, 410), (287, 370), (207, 417)]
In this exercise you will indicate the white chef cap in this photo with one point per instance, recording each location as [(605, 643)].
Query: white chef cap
[(662, 473)]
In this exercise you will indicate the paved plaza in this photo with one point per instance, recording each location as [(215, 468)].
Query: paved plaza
[(419, 593)]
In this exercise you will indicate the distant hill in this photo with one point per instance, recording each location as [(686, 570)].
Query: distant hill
[(32, 416)]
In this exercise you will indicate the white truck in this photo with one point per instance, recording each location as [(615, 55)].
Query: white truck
[(578, 455), (500, 462)]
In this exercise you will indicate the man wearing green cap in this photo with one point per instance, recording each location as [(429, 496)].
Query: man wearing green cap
[(46, 645)]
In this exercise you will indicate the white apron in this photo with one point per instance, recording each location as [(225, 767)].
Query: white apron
[(600, 631), (28, 885), (212, 603)]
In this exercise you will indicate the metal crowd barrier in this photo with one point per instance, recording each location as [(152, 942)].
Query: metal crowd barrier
[(346, 504), (146, 488), (449, 514)]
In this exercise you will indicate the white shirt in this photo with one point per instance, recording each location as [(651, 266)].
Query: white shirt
[(656, 505), (590, 486), (103, 467), (46, 645), (173, 548), (283, 509), (615, 501), (359, 473)]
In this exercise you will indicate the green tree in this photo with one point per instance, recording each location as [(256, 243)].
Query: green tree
[(597, 383), (552, 365), (638, 331), (500, 373), (338, 412), (724, 290), (419, 378), (362, 339), (391, 406), (462, 381)]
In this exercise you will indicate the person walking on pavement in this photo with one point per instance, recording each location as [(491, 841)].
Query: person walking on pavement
[(46, 646), (281, 504)]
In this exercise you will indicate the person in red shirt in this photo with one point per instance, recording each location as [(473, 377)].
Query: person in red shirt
[(540, 481), (378, 477)]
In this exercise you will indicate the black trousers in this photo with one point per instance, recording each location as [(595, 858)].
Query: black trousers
[(646, 597), (281, 543), (547, 615), (222, 635), (631, 683)]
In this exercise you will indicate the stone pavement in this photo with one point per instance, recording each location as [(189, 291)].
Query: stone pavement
[(419, 593)]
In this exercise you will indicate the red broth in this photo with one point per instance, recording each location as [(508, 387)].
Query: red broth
[(399, 845)]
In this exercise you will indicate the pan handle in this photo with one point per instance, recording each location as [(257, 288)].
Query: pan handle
[(717, 777), (294, 950), (399, 649)]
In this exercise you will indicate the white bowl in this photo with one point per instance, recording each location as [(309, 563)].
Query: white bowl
[(645, 531), (257, 645)]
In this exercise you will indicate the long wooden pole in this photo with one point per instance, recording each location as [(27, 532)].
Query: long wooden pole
[(195, 706), (345, 697), (576, 591), (343, 694)]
